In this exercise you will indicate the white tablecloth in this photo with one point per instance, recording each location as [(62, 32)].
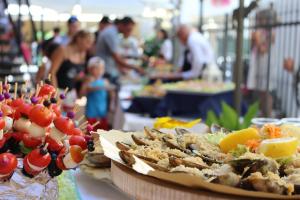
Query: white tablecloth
[(136, 122), (93, 189)]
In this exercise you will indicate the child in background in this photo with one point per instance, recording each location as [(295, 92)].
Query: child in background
[(96, 89)]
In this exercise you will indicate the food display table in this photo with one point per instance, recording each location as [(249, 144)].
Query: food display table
[(145, 105), (181, 103), (196, 103)]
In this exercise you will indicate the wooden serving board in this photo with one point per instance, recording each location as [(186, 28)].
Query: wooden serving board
[(143, 187)]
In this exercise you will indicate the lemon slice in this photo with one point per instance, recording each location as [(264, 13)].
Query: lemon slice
[(230, 141), (279, 147)]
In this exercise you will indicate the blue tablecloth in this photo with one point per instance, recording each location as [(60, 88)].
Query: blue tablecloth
[(196, 104), (145, 105), (183, 104)]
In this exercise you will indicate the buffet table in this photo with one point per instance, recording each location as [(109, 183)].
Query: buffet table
[(179, 103), (145, 105)]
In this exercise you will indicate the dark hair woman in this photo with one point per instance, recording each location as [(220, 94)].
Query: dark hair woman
[(47, 48), (68, 65), (166, 48)]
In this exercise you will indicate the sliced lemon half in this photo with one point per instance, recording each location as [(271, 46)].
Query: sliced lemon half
[(232, 140), (279, 147)]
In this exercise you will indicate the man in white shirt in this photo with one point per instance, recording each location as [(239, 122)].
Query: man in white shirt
[(197, 54)]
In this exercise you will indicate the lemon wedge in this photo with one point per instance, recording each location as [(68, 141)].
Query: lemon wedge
[(279, 147), (231, 141)]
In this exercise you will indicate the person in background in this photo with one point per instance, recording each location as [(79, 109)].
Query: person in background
[(67, 68), (261, 40), (166, 49), (96, 89), (47, 48), (129, 47), (73, 26), (197, 54), (108, 45), (56, 35), (104, 22)]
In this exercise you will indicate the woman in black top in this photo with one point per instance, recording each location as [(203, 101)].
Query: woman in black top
[(68, 65)]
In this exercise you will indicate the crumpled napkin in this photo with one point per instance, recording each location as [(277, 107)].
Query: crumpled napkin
[(20, 187)]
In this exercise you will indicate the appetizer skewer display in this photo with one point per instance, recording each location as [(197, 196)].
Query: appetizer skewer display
[(33, 127)]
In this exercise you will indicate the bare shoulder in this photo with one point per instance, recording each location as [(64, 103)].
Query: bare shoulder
[(60, 51)]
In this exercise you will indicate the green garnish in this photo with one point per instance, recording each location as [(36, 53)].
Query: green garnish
[(215, 138), (239, 150), (24, 150), (285, 161)]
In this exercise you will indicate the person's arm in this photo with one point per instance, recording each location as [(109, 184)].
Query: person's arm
[(57, 59), (108, 86), (112, 42), (168, 76), (40, 74), (86, 88), (123, 64)]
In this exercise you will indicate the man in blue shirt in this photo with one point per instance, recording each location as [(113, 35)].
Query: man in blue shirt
[(73, 26)]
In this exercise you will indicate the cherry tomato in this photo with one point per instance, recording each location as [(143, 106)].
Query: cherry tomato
[(56, 109), (27, 168), (8, 163), (36, 158), (2, 123), (53, 145), (41, 115), (75, 131), (46, 90), (76, 154), (7, 110), (17, 102), (78, 140), (60, 163), (63, 124), (31, 142), (59, 160), (23, 110)]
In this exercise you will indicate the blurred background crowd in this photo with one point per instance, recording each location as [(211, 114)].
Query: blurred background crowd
[(92, 53)]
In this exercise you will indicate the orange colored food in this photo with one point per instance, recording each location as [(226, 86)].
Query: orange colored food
[(273, 131), (253, 144), (76, 154)]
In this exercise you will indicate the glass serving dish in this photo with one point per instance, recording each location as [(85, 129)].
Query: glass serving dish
[(291, 121), (259, 122)]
